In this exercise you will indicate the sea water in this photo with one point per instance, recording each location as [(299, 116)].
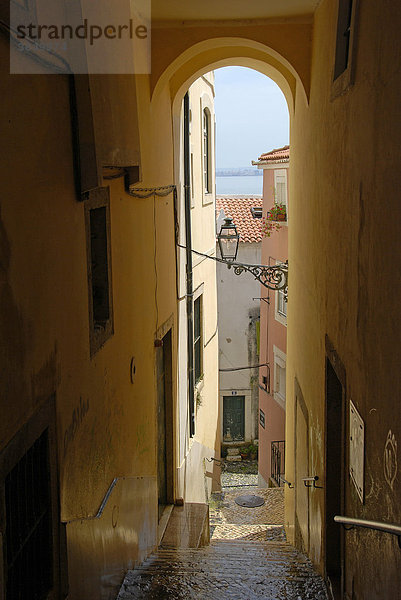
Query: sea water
[(244, 185)]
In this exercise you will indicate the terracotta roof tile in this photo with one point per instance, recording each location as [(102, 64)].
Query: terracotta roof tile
[(277, 155), (239, 209)]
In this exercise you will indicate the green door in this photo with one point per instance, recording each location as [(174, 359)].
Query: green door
[(233, 418)]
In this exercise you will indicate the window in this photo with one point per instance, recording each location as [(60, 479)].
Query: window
[(281, 308), (280, 186), (198, 339), (256, 212), (343, 36), (343, 62), (279, 376), (31, 546), (192, 180), (97, 216), (28, 523), (206, 152), (280, 312)]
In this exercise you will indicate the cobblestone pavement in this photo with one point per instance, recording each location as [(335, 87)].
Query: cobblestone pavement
[(248, 557), (243, 473), (226, 570), (230, 521)]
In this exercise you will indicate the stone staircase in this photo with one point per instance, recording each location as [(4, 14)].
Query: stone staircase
[(225, 570)]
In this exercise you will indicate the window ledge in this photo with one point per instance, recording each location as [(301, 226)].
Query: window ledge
[(281, 319), (200, 384), (208, 198), (279, 399)]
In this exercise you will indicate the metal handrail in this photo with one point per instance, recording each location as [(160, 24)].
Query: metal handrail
[(103, 503), (351, 522), (287, 482)]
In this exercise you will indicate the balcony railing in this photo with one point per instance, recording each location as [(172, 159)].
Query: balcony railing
[(278, 461)]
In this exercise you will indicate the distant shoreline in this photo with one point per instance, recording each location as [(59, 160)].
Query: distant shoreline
[(240, 172)]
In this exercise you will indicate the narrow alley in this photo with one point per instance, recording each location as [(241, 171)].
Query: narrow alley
[(248, 556), (154, 320)]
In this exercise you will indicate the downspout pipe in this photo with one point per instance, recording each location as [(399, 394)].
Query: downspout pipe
[(189, 277)]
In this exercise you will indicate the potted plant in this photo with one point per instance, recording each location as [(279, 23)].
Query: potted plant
[(244, 452), (253, 451), (278, 212), (270, 223)]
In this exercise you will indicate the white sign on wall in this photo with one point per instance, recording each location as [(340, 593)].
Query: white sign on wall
[(356, 449)]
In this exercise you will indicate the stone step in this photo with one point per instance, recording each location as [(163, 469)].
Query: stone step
[(188, 527), (225, 570)]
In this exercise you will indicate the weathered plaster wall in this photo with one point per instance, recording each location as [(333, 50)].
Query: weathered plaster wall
[(106, 424), (238, 313), (344, 250)]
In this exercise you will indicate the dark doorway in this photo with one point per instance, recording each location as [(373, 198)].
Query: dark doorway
[(164, 423), (334, 477), (233, 418)]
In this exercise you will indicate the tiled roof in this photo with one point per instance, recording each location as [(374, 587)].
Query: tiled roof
[(274, 156), (239, 209)]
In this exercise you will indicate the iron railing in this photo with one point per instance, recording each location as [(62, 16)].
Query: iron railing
[(278, 461)]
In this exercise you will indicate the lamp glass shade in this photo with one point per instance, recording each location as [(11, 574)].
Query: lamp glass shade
[(228, 238)]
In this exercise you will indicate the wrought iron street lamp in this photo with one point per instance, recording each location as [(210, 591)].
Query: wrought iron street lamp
[(272, 277), (228, 239)]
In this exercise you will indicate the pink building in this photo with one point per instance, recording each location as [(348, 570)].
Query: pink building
[(273, 326)]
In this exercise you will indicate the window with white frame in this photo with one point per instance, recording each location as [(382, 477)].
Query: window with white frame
[(280, 186), (281, 304), (280, 312), (198, 339), (207, 151), (279, 376)]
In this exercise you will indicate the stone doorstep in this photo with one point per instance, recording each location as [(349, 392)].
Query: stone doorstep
[(232, 451), (187, 527), (236, 458)]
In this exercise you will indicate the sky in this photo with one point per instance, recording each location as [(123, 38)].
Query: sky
[(251, 116)]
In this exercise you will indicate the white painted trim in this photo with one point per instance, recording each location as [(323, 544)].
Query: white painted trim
[(280, 360)]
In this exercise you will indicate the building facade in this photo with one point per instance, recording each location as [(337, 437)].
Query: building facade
[(238, 310), (199, 440), (273, 325)]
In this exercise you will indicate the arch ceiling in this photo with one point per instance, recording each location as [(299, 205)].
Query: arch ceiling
[(281, 50), (234, 9)]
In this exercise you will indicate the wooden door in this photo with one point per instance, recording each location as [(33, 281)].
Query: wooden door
[(233, 418), (164, 423)]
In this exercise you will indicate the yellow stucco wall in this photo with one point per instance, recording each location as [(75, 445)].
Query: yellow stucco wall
[(344, 248), (106, 424)]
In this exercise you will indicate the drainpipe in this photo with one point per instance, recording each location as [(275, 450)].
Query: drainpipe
[(188, 245)]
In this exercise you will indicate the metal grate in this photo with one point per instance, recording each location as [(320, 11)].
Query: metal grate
[(29, 556), (278, 460)]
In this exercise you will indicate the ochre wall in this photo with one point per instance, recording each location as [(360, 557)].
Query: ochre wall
[(344, 250), (106, 424)]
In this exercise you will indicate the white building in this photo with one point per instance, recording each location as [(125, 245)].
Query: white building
[(238, 313), (198, 414)]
